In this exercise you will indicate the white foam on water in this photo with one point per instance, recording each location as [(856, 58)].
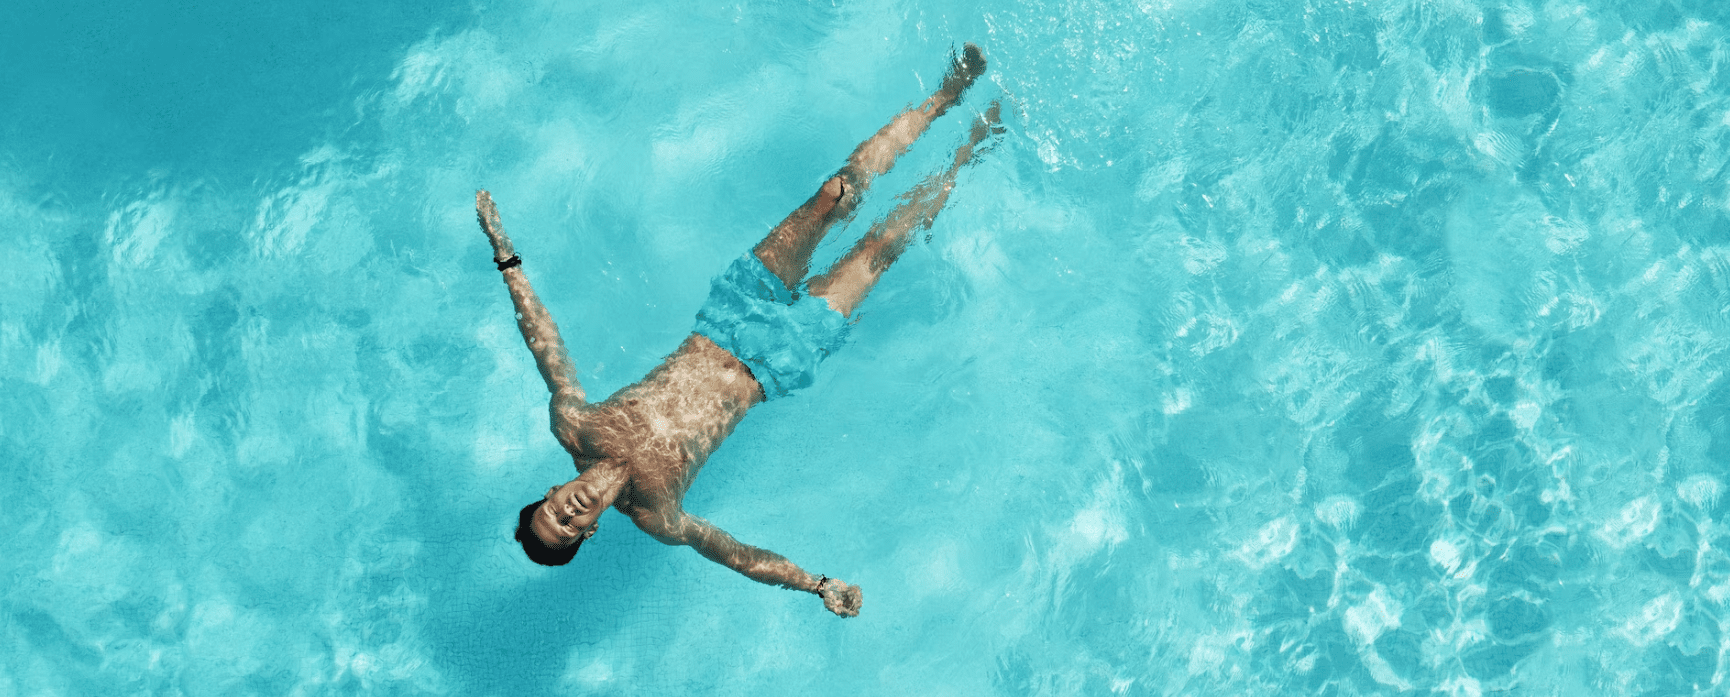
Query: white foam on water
[(1657, 619), (707, 131), (1564, 235), (467, 65), (284, 221), (501, 433), (939, 570), (1525, 414), (1378, 612), (49, 360), (594, 674), (136, 229), (182, 431), (1168, 175), (1462, 686), (1201, 256), (1092, 528), (1177, 401), (1381, 671), (1271, 543), (1339, 511), (1634, 522), (1701, 490), (1212, 332), (1208, 654), (977, 253), (1446, 554)]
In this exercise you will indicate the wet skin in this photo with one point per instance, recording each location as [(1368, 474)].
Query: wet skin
[(640, 449)]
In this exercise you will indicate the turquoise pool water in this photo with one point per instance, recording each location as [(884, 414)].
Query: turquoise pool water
[(1341, 348)]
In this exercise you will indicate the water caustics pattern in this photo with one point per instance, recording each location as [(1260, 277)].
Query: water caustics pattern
[(1334, 348)]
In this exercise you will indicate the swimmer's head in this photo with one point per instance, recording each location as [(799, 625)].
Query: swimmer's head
[(540, 552), (552, 528)]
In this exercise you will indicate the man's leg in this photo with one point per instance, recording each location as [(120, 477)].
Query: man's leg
[(853, 275), (786, 251)]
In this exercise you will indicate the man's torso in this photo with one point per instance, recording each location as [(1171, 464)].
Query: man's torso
[(664, 427)]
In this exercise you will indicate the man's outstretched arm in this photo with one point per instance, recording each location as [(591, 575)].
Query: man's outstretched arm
[(536, 324), (760, 565)]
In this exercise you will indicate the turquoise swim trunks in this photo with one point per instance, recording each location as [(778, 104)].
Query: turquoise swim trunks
[(780, 334)]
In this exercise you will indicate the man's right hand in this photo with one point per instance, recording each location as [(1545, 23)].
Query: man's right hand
[(492, 226), (841, 598)]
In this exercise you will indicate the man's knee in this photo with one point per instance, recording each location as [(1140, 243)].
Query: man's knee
[(834, 195)]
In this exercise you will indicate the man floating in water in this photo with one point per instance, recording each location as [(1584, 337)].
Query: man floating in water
[(760, 336)]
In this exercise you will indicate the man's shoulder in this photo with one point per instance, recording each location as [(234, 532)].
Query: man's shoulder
[(662, 522)]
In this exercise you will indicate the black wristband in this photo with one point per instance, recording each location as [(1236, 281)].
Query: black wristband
[(820, 581), (512, 262)]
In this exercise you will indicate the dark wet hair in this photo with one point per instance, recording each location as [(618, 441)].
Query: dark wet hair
[(537, 550)]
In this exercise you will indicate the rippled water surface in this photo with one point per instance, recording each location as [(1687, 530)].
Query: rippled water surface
[(1339, 348)]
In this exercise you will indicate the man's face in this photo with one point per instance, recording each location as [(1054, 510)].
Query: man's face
[(568, 513)]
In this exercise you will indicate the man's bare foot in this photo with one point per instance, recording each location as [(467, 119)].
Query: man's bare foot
[(488, 213), (987, 125), (963, 70), (879, 152)]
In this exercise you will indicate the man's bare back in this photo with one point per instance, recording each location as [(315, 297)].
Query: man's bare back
[(640, 449)]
